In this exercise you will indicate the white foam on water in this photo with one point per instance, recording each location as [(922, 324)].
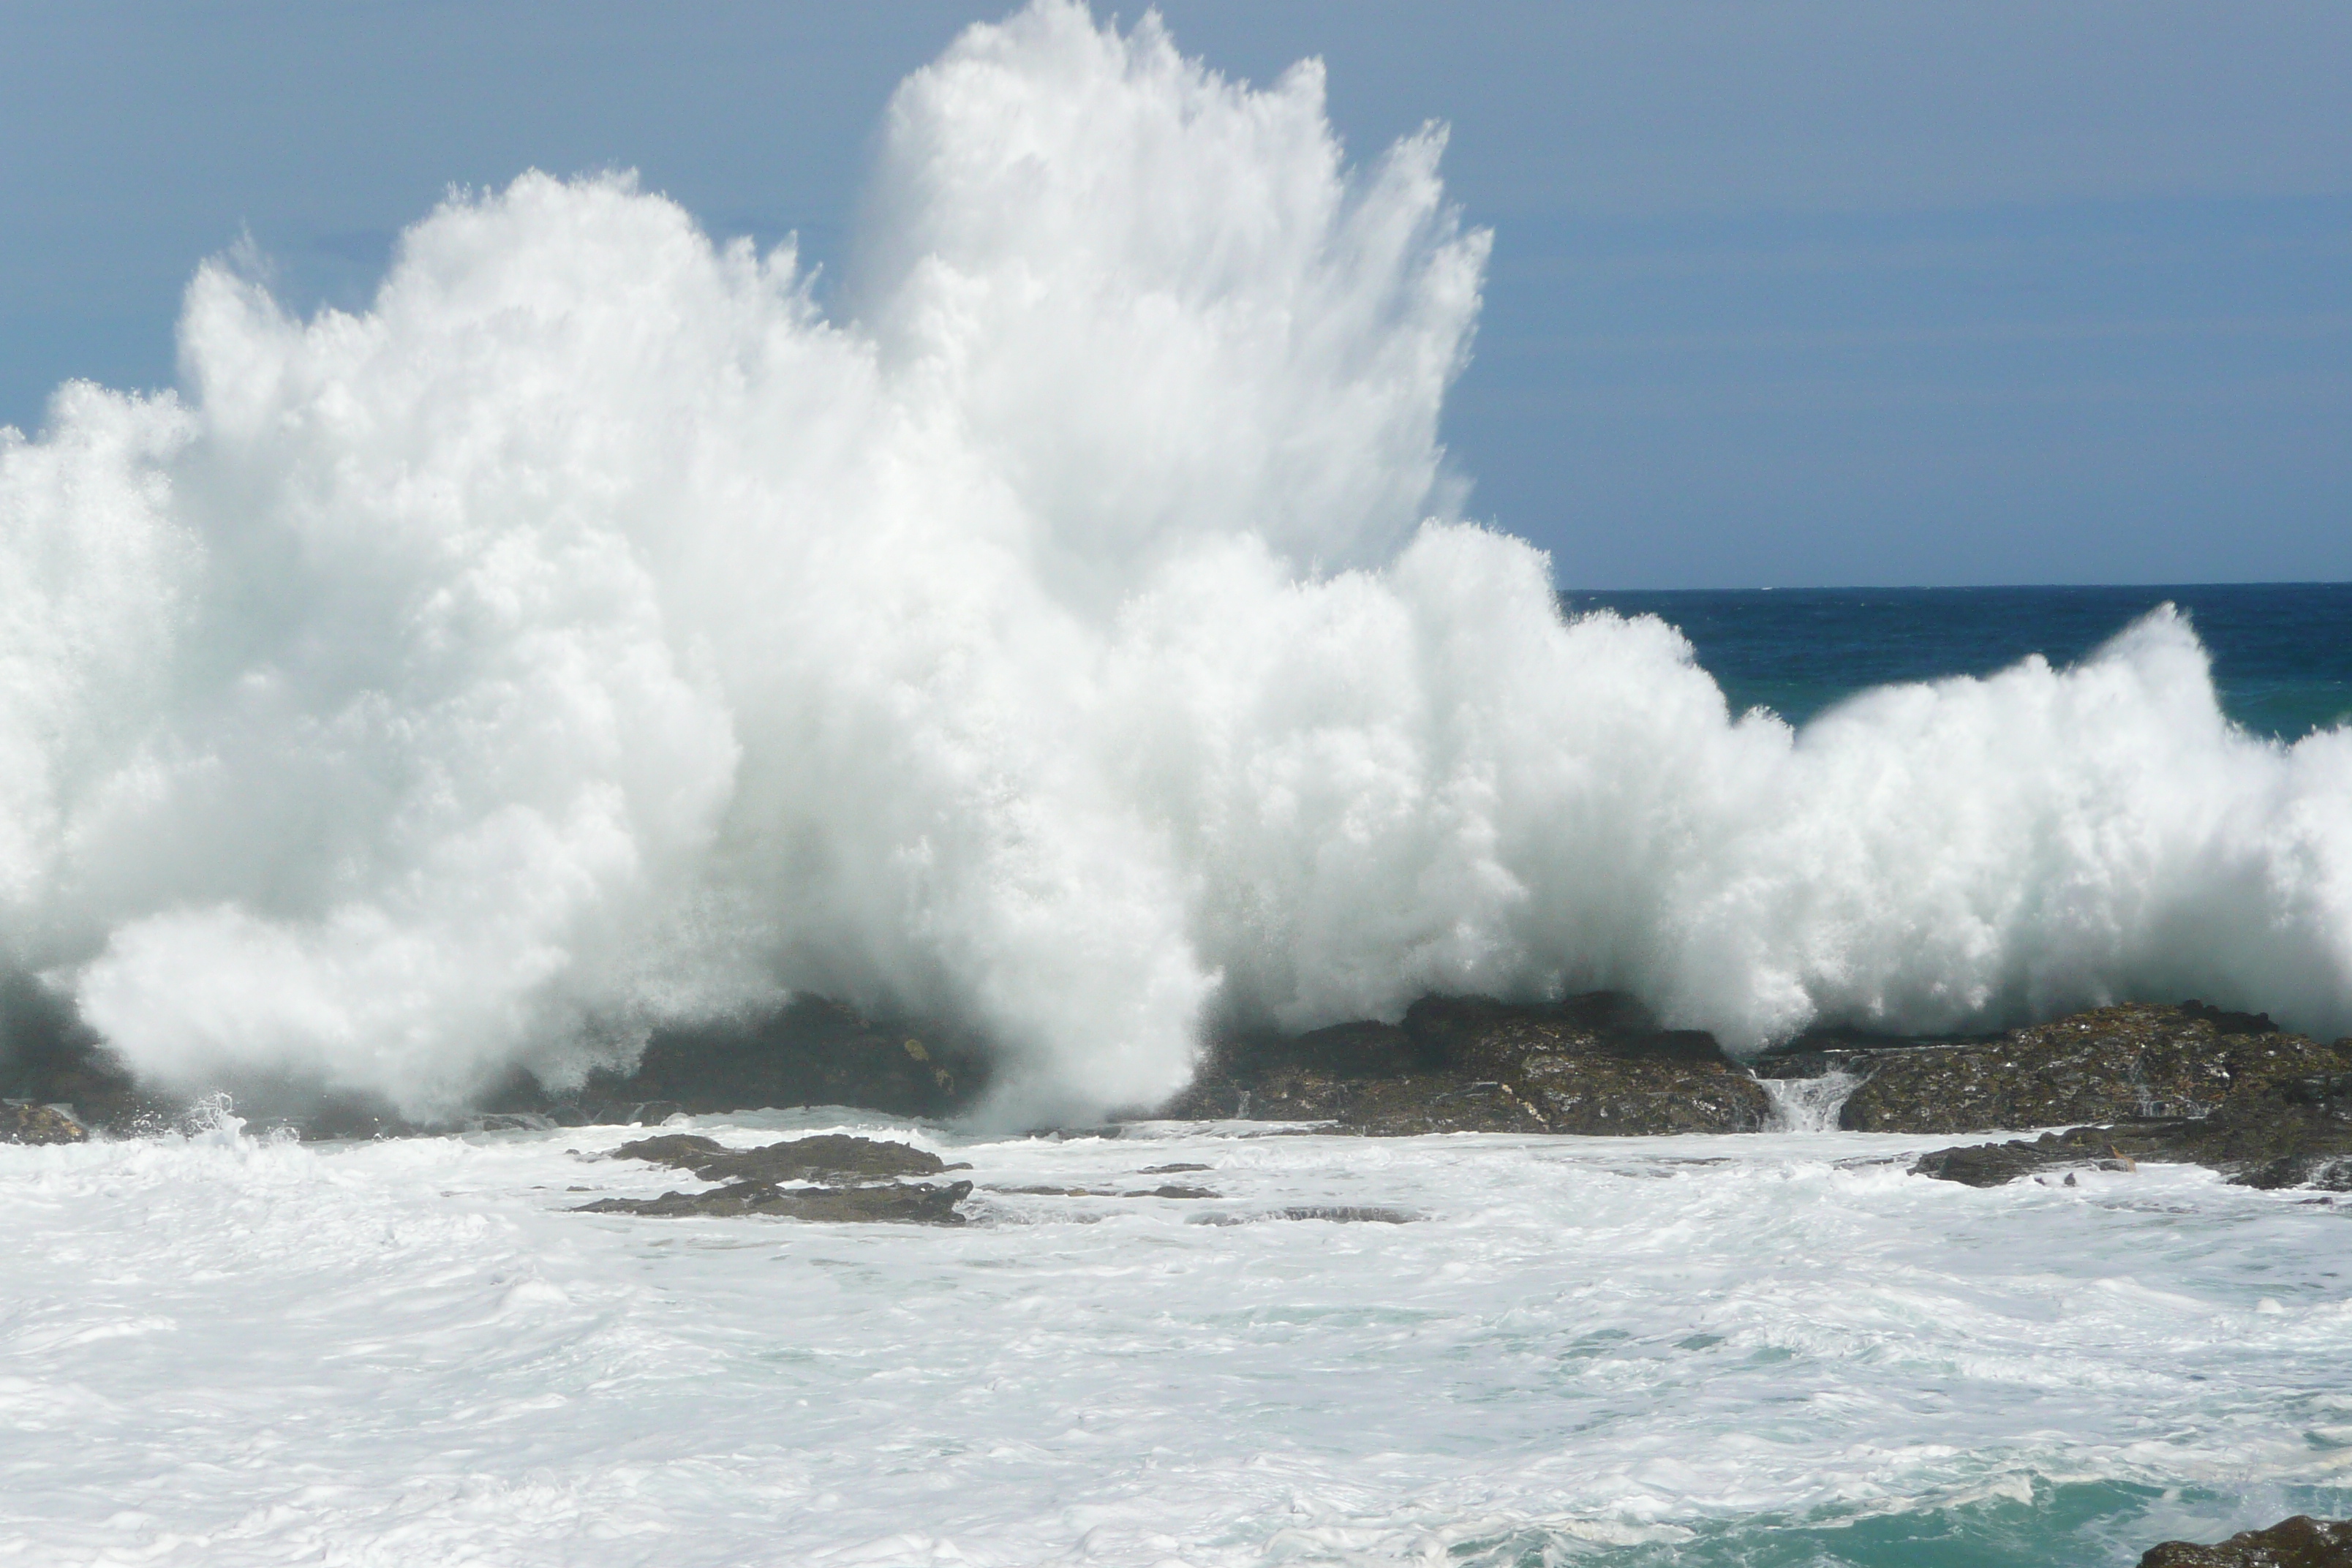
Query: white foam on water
[(222, 1351), (1072, 637), (1809, 1104)]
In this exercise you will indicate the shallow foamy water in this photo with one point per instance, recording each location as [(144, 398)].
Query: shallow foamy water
[(1765, 1350)]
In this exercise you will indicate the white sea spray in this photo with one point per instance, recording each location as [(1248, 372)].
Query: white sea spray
[(1073, 634)]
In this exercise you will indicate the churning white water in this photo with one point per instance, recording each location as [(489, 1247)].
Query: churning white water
[(1070, 632), (1769, 1350), (1809, 1104)]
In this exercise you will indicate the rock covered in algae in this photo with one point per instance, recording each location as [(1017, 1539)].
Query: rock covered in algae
[(2137, 1061)]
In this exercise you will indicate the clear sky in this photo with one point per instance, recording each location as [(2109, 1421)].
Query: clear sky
[(1815, 291)]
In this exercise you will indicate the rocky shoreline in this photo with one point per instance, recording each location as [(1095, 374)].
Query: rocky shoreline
[(2302, 1541), (2137, 1082), (2128, 1084)]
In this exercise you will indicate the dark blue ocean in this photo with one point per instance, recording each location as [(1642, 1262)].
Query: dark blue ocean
[(2281, 651)]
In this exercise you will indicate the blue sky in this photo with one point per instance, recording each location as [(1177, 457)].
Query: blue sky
[(1814, 291)]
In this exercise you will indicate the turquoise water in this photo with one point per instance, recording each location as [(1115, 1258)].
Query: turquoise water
[(2281, 652)]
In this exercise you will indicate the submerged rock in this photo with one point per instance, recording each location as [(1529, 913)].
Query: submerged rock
[(1595, 1064), (909, 1202), (2302, 1541), (1335, 1214), (2135, 1062), (1044, 1191), (23, 1122)]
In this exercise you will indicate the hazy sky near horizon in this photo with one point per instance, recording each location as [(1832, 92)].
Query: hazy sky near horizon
[(1821, 291)]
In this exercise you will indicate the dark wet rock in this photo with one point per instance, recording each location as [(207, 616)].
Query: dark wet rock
[(1994, 1164), (1848, 1051), (2330, 1171), (680, 1149), (828, 1157), (49, 1056), (1355, 1072), (2298, 1542), (2190, 1084), (810, 1052), (1808, 1059), (24, 1121), (2295, 1132), (2225, 1022), (909, 1202), (2132, 1062), (1171, 1191), (1597, 1064), (1176, 1168), (1594, 1064)]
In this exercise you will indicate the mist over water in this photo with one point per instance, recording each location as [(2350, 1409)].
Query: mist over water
[(1073, 634)]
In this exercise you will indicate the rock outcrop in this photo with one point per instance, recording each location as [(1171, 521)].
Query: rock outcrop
[(2135, 1062), (911, 1203), (2288, 1132), (24, 1121), (2141, 1082), (865, 1173), (828, 1157), (1597, 1064), (2302, 1541), (1364, 1078), (1593, 1064)]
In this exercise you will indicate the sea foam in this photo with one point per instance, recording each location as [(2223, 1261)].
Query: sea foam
[(1070, 631)]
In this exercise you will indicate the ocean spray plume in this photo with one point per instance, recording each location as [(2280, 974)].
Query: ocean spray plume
[(594, 634), (588, 634)]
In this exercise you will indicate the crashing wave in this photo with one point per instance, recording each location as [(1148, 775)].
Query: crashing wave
[(1073, 634)]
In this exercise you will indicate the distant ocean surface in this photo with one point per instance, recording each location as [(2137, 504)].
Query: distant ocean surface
[(2281, 651)]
